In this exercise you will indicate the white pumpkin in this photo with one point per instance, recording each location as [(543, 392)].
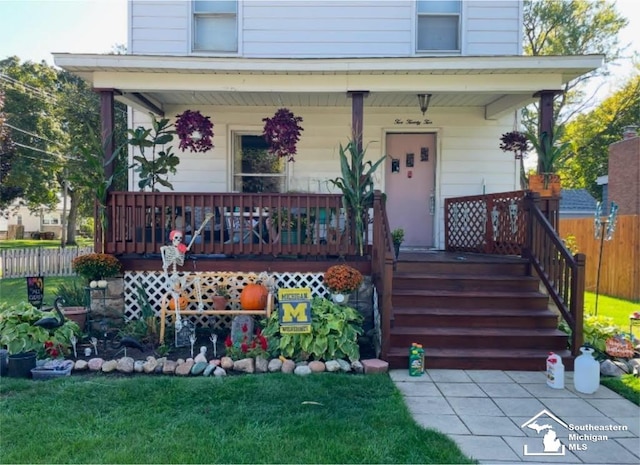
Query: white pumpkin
[(102, 283), (93, 284)]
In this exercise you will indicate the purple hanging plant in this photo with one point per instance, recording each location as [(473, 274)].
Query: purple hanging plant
[(516, 142), (282, 133), (187, 124)]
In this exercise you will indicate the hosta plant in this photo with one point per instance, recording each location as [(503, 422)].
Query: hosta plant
[(334, 334), (18, 334)]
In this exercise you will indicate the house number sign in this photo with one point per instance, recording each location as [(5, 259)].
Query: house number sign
[(411, 122)]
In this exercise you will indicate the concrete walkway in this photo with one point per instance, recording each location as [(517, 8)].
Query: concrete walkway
[(494, 417)]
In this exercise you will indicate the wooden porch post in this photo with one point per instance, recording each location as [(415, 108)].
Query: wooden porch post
[(107, 128), (357, 115), (545, 117)]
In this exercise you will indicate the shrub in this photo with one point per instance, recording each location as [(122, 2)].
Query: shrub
[(96, 266)]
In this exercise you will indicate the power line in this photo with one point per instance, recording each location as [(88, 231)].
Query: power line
[(37, 149), (33, 135)]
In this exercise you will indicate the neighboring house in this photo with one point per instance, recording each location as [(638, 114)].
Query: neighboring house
[(341, 65), (22, 223), (576, 203), (624, 175)]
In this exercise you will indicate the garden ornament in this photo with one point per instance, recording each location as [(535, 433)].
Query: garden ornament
[(172, 257), (192, 340), (74, 342), (51, 322), (214, 339), (202, 356), (128, 341), (94, 343)]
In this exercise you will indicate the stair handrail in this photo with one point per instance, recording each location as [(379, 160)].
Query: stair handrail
[(382, 266), (562, 274)]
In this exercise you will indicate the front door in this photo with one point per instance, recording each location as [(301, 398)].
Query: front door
[(410, 186)]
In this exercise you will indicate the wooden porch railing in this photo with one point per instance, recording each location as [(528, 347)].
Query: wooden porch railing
[(241, 224), (562, 274), (519, 223), (382, 262)]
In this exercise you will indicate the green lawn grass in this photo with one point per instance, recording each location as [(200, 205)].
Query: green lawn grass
[(275, 418), (15, 289), (31, 243), (628, 386), (617, 309)]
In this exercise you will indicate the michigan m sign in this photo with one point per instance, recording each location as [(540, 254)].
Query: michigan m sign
[(294, 310)]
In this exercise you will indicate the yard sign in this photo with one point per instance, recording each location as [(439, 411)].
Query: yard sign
[(294, 310)]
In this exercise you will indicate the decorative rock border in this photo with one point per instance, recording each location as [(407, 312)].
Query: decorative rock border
[(223, 366)]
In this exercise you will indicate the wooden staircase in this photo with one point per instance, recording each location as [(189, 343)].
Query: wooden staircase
[(472, 311)]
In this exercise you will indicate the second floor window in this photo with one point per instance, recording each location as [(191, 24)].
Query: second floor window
[(215, 26), (438, 25)]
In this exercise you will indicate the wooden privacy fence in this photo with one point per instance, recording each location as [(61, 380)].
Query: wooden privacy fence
[(18, 263), (620, 269)]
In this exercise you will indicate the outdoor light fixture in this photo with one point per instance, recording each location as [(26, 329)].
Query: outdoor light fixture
[(423, 101)]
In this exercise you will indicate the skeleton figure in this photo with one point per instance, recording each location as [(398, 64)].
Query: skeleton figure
[(172, 257)]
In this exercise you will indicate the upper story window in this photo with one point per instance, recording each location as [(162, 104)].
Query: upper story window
[(215, 26), (438, 25)]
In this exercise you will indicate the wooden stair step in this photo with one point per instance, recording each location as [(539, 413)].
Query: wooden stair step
[(480, 359), (476, 317), (457, 282), (468, 299)]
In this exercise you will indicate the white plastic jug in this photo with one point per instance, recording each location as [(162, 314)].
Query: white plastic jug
[(555, 371), (586, 376)]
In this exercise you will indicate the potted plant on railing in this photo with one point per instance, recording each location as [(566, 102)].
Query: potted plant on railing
[(356, 184), (397, 236), (220, 298), (552, 154), (290, 225)]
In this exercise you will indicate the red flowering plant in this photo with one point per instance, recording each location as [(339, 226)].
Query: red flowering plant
[(248, 347), (342, 279), (194, 131), (53, 349), (282, 133)]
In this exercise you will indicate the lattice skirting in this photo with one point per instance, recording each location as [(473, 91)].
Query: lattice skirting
[(155, 285)]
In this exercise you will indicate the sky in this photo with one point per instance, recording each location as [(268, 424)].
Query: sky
[(32, 29)]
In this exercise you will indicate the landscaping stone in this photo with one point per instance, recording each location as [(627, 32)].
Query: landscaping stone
[(610, 368), (138, 366), (150, 365), (262, 365), (274, 365), (316, 366), (288, 366), (302, 370), (169, 367), (357, 367), (226, 363), (125, 365), (344, 365), (208, 370), (95, 364), (198, 368), (218, 372), (332, 365), (80, 365), (375, 365), (184, 369), (246, 365), (109, 366)]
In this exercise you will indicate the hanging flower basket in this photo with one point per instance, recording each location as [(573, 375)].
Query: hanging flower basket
[(516, 142), (194, 131), (282, 133)]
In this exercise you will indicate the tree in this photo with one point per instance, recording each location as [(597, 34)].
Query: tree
[(592, 133), (571, 27), (7, 153), (30, 98)]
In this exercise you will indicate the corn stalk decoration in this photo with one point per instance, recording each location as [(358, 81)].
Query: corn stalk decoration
[(356, 184)]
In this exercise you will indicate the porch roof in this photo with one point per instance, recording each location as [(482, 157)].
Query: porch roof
[(500, 84)]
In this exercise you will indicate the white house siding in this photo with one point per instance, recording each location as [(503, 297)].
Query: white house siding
[(159, 27), (492, 27), (315, 29), (468, 155)]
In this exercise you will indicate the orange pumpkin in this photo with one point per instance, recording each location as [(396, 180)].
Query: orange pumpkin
[(254, 297), (182, 301)]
